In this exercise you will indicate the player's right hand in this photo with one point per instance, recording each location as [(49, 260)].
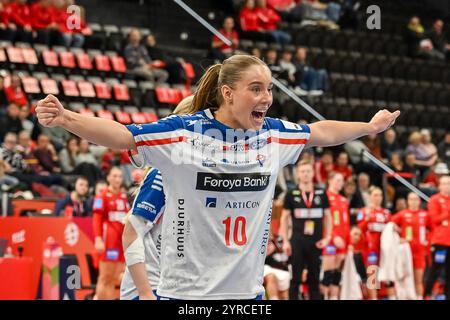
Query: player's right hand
[(50, 112), (99, 245), (287, 249)]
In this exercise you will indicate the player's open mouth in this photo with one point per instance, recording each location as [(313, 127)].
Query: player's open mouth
[(259, 115)]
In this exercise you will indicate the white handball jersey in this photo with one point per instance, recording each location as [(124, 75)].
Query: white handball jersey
[(147, 210), (219, 185)]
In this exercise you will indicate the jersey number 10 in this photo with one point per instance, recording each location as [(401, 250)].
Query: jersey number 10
[(239, 223)]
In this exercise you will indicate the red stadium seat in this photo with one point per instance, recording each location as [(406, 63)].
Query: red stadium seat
[(70, 88), (121, 92), (151, 117), (105, 114), (67, 59), (29, 56), (102, 63), (123, 117), (49, 86), (103, 91), (168, 95), (84, 62), (118, 64), (31, 85), (138, 117), (87, 112), (50, 58), (15, 55), (86, 89)]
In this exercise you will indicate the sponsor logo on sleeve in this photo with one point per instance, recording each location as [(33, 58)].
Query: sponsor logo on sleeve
[(290, 125)]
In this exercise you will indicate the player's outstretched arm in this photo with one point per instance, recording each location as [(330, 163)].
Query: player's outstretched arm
[(104, 132), (331, 133)]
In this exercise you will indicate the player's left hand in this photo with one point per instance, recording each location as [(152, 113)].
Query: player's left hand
[(383, 120)]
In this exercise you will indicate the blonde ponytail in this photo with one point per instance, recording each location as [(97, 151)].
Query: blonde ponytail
[(207, 94)]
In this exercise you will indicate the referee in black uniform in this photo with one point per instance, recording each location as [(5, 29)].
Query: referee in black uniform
[(308, 208)]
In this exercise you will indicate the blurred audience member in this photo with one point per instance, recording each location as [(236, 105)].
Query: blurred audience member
[(323, 168), (77, 203), (411, 167), (84, 154), (431, 180), (221, 50), (422, 148), (14, 92), (364, 187), (373, 143), (439, 39), (269, 19), (389, 144), (68, 155), (19, 20), (444, 149), (429, 147), (256, 52), (3, 98), (419, 44), (71, 30), (5, 179), (289, 10), (25, 117), (250, 23), (310, 81), (44, 21), (139, 62), (163, 61), (58, 136), (342, 165), (272, 62), (287, 67), (46, 155), (11, 122)]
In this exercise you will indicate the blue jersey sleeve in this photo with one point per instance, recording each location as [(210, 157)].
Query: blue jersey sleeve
[(286, 126), (155, 141), (289, 138), (150, 200)]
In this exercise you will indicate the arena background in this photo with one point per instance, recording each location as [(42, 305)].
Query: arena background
[(367, 70)]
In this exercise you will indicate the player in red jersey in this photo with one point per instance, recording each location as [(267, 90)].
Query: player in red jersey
[(109, 210), (439, 209), (334, 253), (372, 221), (414, 224)]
